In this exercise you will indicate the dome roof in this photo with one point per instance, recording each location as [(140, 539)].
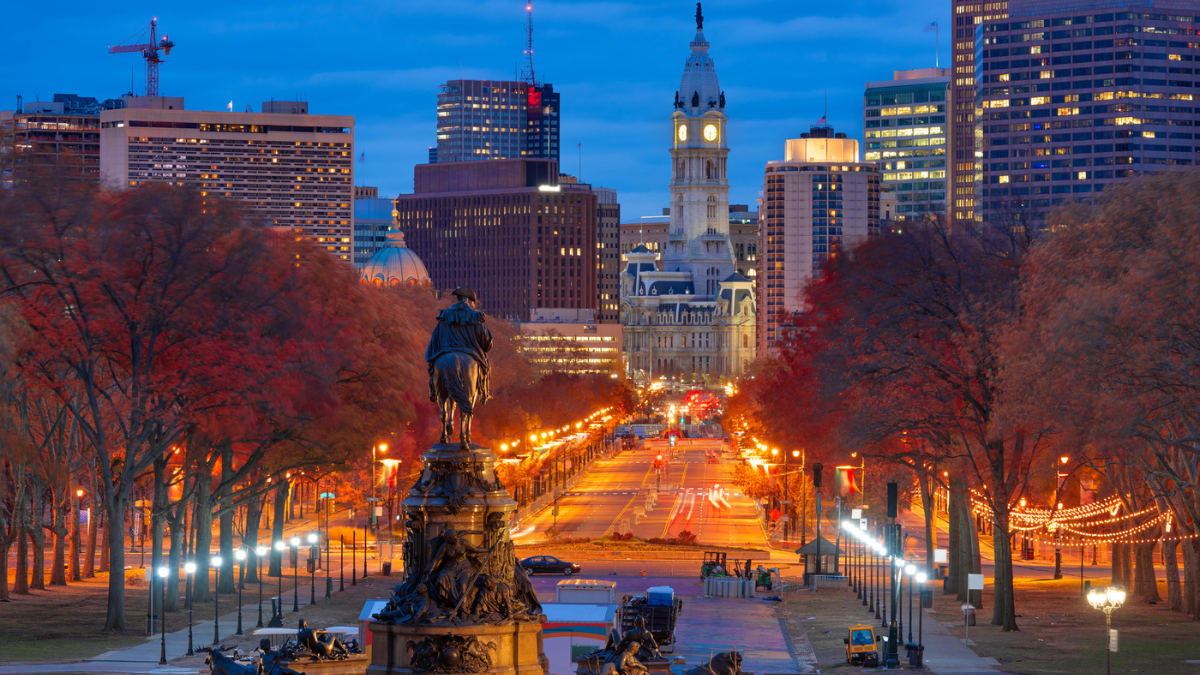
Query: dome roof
[(699, 82), (395, 264)]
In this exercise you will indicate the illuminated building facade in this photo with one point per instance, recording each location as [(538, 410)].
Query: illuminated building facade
[(496, 119), (688, 313), (1072, 97), (820, 200), (967, 15), (294, 171), (571, 341), (905, 133), (507, 229)]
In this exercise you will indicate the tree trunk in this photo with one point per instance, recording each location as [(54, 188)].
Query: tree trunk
[(1117, 573), (177, 523), (107, 539), (1171, 563), (1147, 583), (202, 520), (1004, 609), (73, 516), (116, 505), (225, 576), (280, 509), (37, 541), (21, 583), (60, 512), (954, 557), (89, 561), (1191, 570), (250, 538), (158, 514), (927, 488), (1126, 566)]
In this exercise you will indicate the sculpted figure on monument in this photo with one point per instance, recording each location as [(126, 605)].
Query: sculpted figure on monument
[(643, 637), (450, 654), (724, 663), (452, 569), (269, 662), (458, 364), (320, 643)]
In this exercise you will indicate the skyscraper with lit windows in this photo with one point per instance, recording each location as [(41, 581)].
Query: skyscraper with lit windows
[(905, 132), (967, 15), (495, 119)]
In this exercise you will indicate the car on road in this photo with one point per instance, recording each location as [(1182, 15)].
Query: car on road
[(548, 564)]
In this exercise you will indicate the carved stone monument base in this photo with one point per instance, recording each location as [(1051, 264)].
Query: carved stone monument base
[(514, 649), (355, 664)]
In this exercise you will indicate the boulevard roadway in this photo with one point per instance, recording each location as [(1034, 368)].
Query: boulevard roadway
[(615, 491)]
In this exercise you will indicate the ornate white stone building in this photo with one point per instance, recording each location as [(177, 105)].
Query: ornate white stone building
[(695, 318)]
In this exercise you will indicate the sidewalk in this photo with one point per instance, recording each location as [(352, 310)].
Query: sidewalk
[(947, 655), (143, 658)]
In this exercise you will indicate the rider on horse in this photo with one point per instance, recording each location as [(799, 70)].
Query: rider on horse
[(460, 331)]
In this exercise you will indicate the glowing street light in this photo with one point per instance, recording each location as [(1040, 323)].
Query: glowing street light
[(1107, 600)]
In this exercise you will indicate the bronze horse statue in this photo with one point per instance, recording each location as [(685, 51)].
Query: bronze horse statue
[(458, 364)]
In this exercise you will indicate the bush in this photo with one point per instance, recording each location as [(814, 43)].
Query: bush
[(686, 537), (617, 536)]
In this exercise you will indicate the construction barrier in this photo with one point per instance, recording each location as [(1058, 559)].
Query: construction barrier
[(728, 587)]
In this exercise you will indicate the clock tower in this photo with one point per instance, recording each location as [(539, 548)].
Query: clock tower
[(699, 233), (689, 314)]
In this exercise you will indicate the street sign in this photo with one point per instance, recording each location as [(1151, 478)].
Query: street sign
[(378, 511), (856, 514), (974, 582), (374, 499), (940, 555), (326, 495), (863, 523), (1112, 639), (775, 514)]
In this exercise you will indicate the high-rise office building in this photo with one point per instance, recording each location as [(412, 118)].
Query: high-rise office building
[(694, 316), (608, 245), (294, 171), (904, 129), (372, 222), (1073, 96), (967, 15), (506, 228), (495, 119), (60, 136), (819, 201)]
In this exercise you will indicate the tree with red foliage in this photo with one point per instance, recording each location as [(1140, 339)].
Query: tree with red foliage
[(146, 309)]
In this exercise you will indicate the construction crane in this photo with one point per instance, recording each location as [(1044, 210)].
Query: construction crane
[(149, 52)]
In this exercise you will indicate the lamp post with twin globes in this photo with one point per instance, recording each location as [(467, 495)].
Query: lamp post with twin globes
[(240, 555), (190, 568), (312, 567), (277, 608), (259, 552), (1107, 600), (162, 630), (216, 563)]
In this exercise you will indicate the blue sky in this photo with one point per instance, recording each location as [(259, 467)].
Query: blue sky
[(616, 63)]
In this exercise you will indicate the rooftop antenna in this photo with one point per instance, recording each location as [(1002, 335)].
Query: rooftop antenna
[(527, 75)]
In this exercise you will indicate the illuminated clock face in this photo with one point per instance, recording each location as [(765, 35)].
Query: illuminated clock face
[(682, 133), (710, 132)]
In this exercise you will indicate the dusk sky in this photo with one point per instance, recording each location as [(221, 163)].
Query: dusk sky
[(617, 65)]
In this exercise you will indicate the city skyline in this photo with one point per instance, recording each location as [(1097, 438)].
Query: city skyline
[(776, 65)]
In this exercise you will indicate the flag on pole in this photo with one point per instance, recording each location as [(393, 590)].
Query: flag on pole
[(362, 158), (932, 26), (230, 106), (822, 120)]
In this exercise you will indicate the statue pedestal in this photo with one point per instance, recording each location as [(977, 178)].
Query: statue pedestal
[(355, 664), (514, 649)]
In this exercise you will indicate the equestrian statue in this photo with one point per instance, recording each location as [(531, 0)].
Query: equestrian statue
[(458, 364)]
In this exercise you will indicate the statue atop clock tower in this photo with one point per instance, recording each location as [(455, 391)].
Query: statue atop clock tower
[(688, 313)]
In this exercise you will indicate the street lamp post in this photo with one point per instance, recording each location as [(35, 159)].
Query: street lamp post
[(910, 570), (162, 629), (240, 555), (258, 554), (342, 562), (216, 563), (295, 574), (190, 568), (921, 578), (1107, 600), (312, 567), (277, 607)]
